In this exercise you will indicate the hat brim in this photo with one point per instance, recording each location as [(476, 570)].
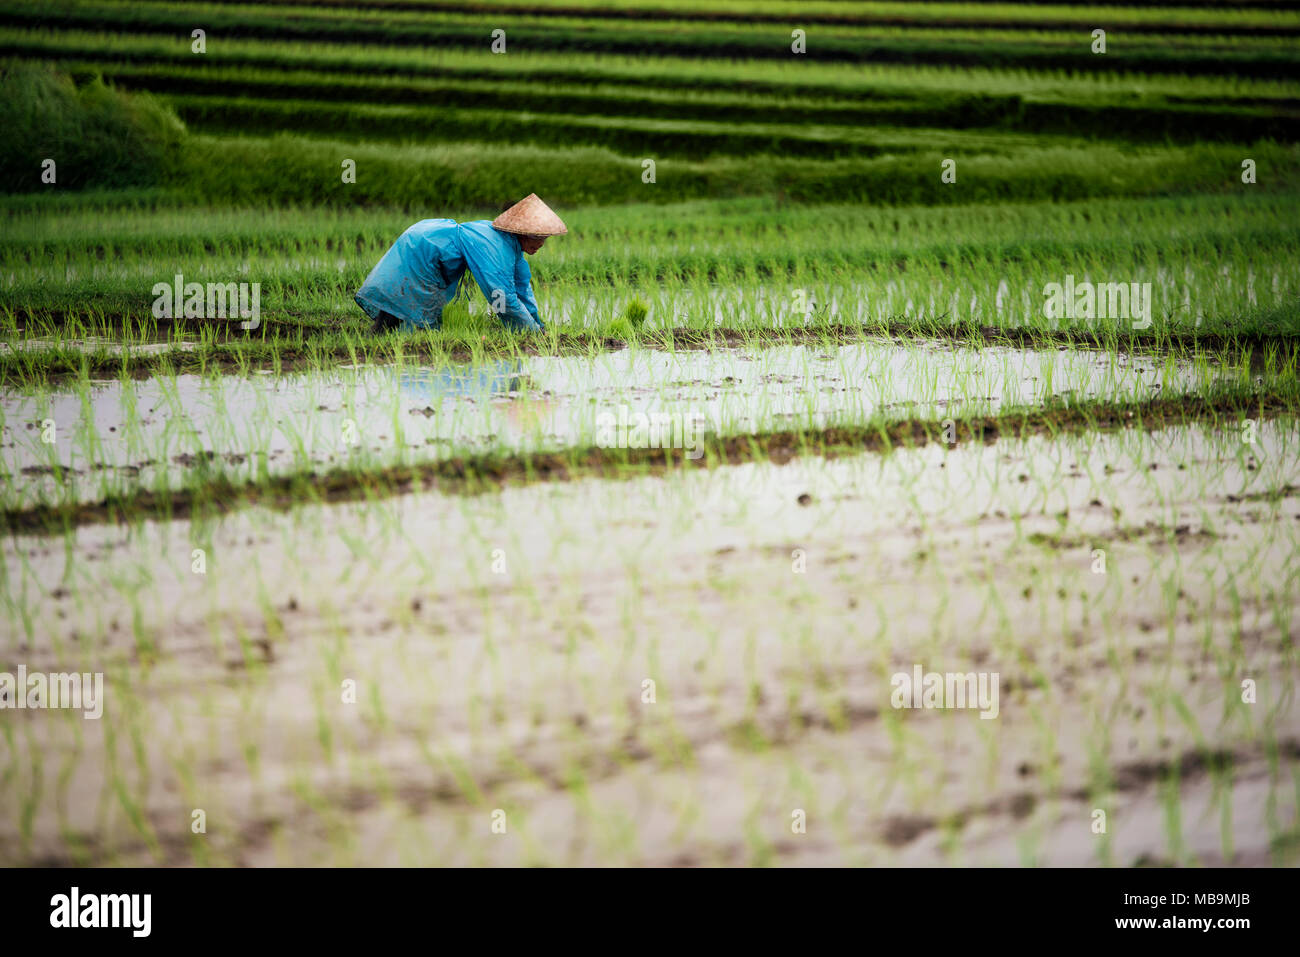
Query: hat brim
[(540, 234)]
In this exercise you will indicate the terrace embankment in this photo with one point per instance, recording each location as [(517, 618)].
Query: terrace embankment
[(158, 347)]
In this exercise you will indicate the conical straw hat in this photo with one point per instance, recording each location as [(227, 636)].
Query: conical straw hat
[(530, 217)]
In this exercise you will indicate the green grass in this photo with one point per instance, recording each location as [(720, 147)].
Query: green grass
[(1015, 15), (1228, 270), (1144, 117), (57, 135), (1155, 53), (792, 78)]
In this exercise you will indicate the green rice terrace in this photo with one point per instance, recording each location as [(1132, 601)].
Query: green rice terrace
[(887, 342)]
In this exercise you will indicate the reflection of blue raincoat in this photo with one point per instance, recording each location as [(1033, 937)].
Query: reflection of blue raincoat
[(428, 386), (421, 273)]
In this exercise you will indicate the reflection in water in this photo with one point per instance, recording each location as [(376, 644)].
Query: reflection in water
[(523, 417), (431, 386)]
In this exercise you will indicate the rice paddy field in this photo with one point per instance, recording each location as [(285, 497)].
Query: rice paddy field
[(887, 341)]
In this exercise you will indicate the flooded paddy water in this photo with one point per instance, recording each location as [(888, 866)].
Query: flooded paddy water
[(83, 442), (662, 671), (91, 344)]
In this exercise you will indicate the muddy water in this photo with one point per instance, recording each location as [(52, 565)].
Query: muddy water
[(119, 435), (92, 344), (501, 646)]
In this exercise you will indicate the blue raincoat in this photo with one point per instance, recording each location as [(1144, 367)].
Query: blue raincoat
[(421, 273)]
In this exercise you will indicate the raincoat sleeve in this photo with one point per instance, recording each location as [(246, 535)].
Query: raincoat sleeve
[(494, 259), (524, 289)]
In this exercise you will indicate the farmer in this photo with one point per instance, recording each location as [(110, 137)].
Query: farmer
[(421, 272)]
